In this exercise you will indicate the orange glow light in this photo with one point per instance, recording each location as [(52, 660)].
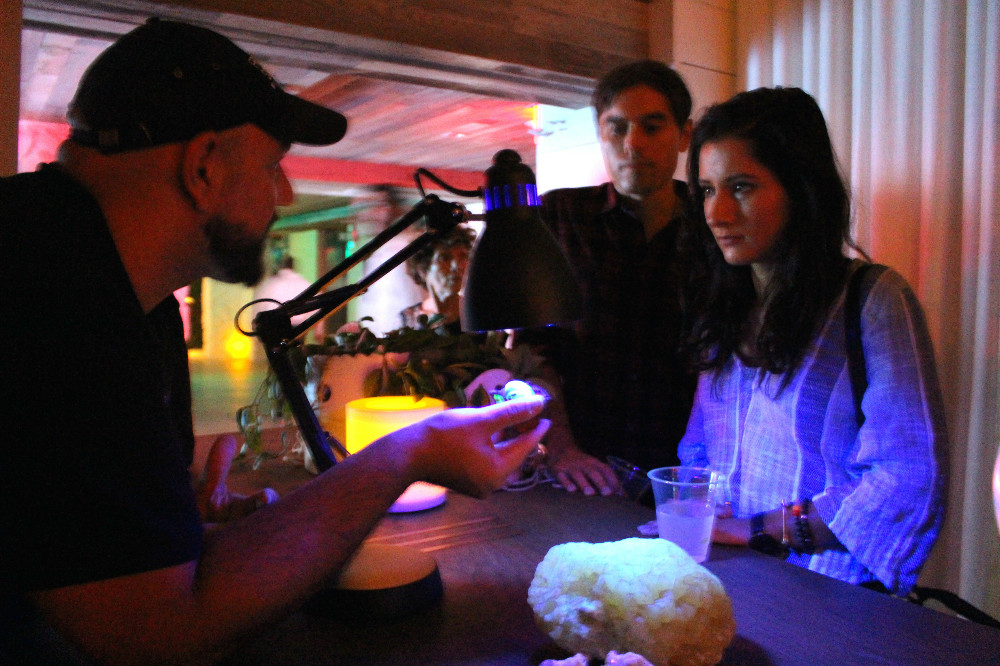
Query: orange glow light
[(238, 346)]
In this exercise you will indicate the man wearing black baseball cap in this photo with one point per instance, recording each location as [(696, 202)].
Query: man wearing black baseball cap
[(171, 173)]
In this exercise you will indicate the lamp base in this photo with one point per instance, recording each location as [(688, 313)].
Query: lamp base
[(381, 582)]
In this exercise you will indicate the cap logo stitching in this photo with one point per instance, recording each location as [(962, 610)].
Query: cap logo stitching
[(256, 65)]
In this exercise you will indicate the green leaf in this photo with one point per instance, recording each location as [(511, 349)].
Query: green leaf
[(373, 383), (245, 416), (480, 397)]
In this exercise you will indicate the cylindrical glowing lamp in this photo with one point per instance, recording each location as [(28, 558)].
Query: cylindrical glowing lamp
[(367, 419)]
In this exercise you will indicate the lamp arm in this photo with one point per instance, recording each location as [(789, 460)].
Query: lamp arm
[(325, 450), (276, 333)]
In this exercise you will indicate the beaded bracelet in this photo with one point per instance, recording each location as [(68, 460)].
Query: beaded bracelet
[(802, 529)]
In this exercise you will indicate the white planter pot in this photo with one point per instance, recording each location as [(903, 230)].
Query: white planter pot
[(343, 380)]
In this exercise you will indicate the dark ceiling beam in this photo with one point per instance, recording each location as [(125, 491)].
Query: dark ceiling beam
[(534, 50), (580, 38)]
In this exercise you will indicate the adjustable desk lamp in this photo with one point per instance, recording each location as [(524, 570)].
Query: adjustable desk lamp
[(517, 277)]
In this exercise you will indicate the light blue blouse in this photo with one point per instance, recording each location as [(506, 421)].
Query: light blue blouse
[(880, 489)]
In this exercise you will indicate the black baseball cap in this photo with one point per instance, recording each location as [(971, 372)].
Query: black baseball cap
[(167, 81)]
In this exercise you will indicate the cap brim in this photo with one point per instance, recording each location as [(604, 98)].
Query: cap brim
[(309, 123)]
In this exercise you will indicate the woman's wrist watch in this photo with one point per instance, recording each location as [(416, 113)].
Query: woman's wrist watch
[(763, 542)]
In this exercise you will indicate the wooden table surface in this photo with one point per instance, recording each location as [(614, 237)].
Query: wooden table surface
[(487, 552)]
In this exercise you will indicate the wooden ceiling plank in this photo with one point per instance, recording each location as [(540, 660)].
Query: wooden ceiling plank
[(457, 26)]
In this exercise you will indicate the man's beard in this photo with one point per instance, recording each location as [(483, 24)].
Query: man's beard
[(236, 257)]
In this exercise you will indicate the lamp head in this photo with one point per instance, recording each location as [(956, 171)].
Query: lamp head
[(517, 276)]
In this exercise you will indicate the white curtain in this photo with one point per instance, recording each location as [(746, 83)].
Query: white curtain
[(910, 91)]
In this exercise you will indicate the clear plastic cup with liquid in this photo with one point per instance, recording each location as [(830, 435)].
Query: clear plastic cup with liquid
[(685, 507)]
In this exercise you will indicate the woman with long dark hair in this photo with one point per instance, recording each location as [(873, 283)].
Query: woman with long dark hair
[(850, 489)]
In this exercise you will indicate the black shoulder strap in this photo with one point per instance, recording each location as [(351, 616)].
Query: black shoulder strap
[(920, 595), (858, 286)]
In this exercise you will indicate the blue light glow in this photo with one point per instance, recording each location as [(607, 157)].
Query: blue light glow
[(508, 196)]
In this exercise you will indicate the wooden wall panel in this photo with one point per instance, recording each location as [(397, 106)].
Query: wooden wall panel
[(10, 72)]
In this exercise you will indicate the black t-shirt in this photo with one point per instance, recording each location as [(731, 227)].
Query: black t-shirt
[(98, 438)]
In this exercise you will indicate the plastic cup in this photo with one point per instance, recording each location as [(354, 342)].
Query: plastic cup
[(685, 507)]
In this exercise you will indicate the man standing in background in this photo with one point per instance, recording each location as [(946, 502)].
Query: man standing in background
[(625, 389)]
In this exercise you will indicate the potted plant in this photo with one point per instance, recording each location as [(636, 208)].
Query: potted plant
[(460, 369)]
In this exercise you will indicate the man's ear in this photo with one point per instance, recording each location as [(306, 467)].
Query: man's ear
[(201, 170)]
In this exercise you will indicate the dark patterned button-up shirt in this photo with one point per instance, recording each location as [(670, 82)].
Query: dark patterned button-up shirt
[(627, 392)]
